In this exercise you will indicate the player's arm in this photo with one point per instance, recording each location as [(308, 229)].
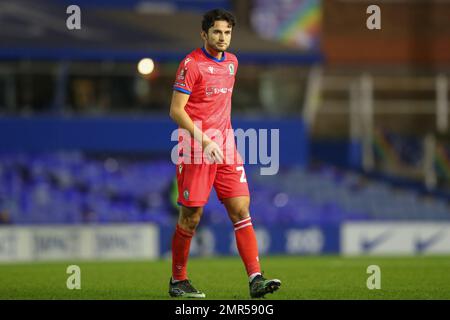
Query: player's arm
[(180, 116)]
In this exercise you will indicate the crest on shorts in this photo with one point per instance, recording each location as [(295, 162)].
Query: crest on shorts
[(231, 68), (186, 194)]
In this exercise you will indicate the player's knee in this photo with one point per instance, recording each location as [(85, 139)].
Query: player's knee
[(189, 224), (193, 222), (240, 213), (190, 219)]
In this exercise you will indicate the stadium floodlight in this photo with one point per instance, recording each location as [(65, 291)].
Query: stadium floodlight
[(146, 66)]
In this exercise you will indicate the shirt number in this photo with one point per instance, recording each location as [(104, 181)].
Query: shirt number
[(243, 178)]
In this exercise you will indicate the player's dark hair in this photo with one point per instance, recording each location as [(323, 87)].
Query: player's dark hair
[(217, 15)]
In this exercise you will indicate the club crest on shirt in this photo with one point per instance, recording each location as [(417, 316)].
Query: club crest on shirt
[(211, 70), (231, 68)]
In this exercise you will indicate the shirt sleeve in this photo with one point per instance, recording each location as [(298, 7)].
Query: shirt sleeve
[(187, 75)]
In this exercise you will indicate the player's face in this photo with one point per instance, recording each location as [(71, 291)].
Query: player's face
[(219, 36)]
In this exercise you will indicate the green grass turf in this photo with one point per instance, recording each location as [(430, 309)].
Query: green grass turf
[(328, 277)]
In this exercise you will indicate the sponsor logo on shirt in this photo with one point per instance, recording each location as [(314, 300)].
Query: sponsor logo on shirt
[(212, 90)]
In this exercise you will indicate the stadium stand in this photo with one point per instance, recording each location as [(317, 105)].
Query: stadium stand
[(363, 115), (73, 188)]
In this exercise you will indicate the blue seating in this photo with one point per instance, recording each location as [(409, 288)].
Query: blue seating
[(73, 188)]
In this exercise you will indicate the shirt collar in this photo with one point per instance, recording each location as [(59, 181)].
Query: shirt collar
[(213, 58)]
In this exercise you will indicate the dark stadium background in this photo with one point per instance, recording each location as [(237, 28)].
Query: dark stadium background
[(85, 169)]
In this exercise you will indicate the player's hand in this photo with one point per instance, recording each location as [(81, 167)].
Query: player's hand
[(212, 151)]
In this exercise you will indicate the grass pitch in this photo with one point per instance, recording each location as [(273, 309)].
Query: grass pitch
[(329, 277)]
